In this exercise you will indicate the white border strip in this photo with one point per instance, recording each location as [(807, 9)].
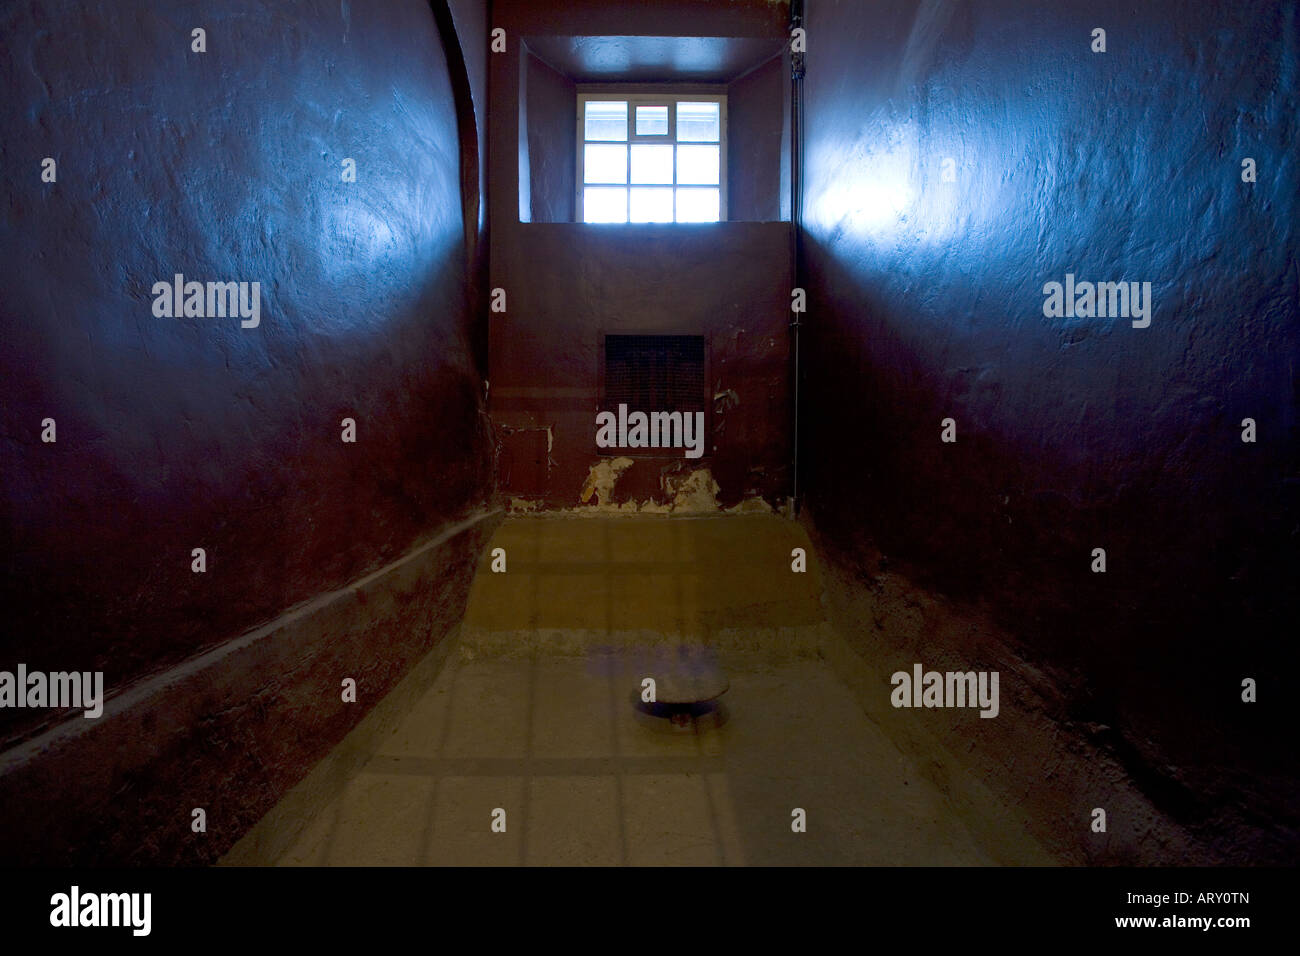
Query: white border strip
[(142, 690)]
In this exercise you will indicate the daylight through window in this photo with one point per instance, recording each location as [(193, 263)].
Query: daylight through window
[(648, 158)]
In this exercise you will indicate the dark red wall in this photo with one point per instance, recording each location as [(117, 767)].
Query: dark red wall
[(758, 143), (178, 433), (552, 161), (569, 283), (927, 303)]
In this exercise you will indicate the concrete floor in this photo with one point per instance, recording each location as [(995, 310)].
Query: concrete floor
[(533, 713)]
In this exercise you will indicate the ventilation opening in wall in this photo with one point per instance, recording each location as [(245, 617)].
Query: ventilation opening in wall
[(665, 377)]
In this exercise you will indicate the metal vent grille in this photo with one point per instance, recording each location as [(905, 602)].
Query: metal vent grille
[(655, 373)]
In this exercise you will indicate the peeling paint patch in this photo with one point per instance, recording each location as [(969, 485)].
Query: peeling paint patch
[(750, 506), (694, 493), (602, 478), (683, 492), (605, 511)]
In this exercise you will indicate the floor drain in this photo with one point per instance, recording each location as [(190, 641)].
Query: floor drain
[(687, 686)]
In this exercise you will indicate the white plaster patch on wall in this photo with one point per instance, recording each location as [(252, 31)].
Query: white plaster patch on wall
[(602, 478), (750, 506), (694, 493)]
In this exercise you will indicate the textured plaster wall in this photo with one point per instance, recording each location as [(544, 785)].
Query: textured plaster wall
[(926, 303), (194, 432), (567, 284), (183, 433)]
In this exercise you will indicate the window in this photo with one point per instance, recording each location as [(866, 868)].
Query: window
[(652, 158)]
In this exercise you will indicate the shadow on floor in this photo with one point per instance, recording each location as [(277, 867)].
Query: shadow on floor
[(528, 747)]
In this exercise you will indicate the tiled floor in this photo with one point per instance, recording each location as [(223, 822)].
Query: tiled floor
[(534, 715), (665, 575), (558, 745)]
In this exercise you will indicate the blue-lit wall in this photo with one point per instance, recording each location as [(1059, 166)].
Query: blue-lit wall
[(927, 302), (182, 433)]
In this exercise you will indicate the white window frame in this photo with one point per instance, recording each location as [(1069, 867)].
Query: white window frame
[(650, 96)]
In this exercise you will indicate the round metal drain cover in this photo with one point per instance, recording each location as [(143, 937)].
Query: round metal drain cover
[(688, 683)]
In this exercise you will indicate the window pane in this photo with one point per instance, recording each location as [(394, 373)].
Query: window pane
[(604, 164), (652, 205), (606, 120), (603, 204), (698, 122), (652, 164), (698, 205), (652, 121), (698, 164)]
